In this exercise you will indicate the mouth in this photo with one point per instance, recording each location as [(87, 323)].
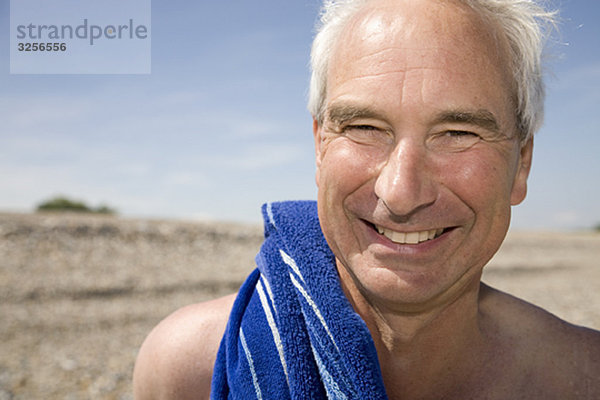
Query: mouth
[(409, 237)]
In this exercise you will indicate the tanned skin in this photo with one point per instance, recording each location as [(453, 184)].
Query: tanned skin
[(419, 136)]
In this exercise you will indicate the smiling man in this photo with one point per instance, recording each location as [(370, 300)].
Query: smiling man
[(424, 113)]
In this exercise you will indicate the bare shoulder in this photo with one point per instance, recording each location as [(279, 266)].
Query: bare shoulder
[(176, 359), (550, 351)]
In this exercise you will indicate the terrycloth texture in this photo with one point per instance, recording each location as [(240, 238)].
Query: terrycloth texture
[(292, 334)]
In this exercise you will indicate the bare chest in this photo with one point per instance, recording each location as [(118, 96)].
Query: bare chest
[(497, 381)]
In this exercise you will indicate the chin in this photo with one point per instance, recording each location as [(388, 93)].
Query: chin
[(406, 289)]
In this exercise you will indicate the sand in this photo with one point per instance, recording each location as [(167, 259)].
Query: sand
[(78, 293)]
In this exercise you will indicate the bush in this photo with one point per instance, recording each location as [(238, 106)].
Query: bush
[(61, 203), (104, 210)]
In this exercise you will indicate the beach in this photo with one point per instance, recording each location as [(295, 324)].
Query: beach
[(79, 292)]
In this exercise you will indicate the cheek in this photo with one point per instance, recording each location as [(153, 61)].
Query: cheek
[(344, 176), (482, 181), (344, 168)]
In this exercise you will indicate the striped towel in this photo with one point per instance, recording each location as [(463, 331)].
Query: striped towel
[(292, 334)]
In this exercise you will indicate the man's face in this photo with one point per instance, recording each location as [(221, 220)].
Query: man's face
[(418, 160)]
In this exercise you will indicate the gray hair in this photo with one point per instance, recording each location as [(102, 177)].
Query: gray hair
[(525, 24)]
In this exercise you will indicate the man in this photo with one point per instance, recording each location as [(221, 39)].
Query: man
[(424, 112)]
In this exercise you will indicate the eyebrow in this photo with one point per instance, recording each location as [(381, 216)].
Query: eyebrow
[(482, 118), (344, 112)]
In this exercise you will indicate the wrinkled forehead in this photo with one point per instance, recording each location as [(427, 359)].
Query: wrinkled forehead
[(441, 31)]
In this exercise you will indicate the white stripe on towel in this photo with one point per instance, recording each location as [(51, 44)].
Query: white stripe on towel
[(269, 292), (273, 326), (311, 302), (291, 263), (270, 214), (251, 364), (331, 386)]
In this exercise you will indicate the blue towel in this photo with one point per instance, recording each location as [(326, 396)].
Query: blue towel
[(292, 334)]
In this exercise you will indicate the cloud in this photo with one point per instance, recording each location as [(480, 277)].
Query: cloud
[(24, 186), (153, 153), (185, 178), (25, 112), (259, 157), (254, 128)]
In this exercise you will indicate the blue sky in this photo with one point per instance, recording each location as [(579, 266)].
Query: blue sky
[(220, 125)]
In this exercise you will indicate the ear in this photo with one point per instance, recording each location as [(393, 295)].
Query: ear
[(317, 137), (519, 190)]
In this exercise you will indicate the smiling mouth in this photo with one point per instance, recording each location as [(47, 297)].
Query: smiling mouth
[(409, 237)]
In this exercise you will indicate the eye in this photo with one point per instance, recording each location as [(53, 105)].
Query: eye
[(367, 134), (453, 141), (461, 134), (359, 127)]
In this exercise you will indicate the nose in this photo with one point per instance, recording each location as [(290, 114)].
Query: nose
[(405, 183)]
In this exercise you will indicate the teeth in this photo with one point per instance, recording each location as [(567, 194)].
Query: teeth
[(399, 237), (412, 238), (409, 237)]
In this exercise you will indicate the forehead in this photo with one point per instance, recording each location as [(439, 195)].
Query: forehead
[(418, 24), (442, 42)]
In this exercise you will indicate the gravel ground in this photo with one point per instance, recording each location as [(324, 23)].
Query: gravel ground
[(78, 293)]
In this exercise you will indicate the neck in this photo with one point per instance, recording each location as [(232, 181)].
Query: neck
[(427, 351)]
